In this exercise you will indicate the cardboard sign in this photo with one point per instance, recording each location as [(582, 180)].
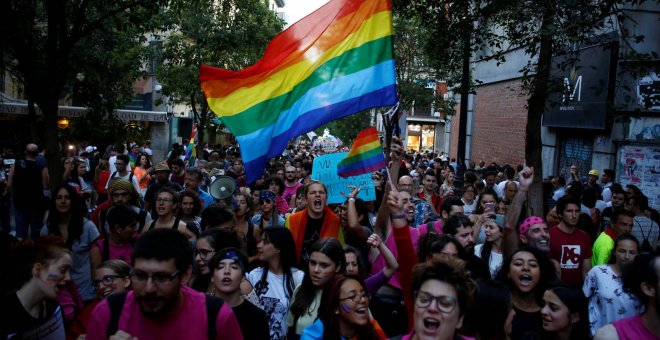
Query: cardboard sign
[(324, 169)]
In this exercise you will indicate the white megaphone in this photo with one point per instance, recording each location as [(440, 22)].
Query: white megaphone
[(222, 187)]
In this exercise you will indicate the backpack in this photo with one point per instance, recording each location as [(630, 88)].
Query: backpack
[(130, 176), (116, 304)]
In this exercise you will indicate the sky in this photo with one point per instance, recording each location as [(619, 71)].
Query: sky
[(297, 9)]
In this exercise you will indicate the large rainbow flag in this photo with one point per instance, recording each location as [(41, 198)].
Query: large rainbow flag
[(366, 155), (333, 63)]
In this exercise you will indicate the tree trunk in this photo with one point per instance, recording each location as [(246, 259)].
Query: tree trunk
[(536, 105), (55, 169)]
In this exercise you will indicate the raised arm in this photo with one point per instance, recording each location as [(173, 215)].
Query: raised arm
[(510, 244)]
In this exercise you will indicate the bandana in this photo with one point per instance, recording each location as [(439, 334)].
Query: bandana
[(120, 184), (232, 255), (267, 195), (528, 223)]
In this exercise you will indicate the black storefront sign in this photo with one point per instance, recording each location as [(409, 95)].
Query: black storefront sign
[(583, 90)]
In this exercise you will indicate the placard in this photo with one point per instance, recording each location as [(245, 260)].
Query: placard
[(324, 169)]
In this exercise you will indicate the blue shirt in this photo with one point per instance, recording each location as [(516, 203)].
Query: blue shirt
[(206, 198)]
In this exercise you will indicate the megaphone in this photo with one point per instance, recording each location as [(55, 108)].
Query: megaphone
[(222, 187)]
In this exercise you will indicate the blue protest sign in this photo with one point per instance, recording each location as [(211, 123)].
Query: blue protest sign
[(324, 169)]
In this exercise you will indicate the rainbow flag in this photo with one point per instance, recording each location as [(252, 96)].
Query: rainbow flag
[(333, 63), (191, 151), (366, 155)]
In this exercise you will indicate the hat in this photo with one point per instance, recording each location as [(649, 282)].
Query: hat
[(90, 149), (162, 167), (593, 172), (120, 184), (423, 165), (528, 223)]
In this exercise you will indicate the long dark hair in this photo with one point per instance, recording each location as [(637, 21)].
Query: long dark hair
[(547, 271), (622, 237), (218, 239), (487, 248), (485, 318), (77, 214), (282, 239), (307, 291), (576, 302), (330, 302)]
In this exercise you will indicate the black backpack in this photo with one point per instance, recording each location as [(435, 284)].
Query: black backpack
[(116, 304), (646, 245)]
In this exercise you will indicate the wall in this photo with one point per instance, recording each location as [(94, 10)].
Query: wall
[(498, 124)]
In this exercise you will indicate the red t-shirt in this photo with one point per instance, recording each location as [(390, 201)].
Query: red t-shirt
[(570, 250)]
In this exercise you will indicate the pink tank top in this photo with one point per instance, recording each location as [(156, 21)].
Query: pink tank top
[(633, 329), (378, 263)]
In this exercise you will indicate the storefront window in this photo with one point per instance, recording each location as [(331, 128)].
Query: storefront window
[(420, 137)]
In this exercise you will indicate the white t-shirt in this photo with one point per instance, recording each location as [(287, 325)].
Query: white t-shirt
[(81, 272), (274, 299), (113, 168), (494, 262)]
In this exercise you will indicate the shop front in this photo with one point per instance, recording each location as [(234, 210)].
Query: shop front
[(421, 135)]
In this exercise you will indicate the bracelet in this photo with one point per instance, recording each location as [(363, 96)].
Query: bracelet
[(398, 217), (351, 199)]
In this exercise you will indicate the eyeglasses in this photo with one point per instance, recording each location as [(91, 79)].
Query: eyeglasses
[(266, 202), (203, 253), (356, 298), (164, 200), (106, 280), (158, 279), (445, 303)]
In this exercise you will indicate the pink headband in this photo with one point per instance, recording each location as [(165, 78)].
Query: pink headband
[(528, 223)]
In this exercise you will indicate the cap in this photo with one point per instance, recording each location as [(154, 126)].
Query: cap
[(162, 167), (593, 172), (90, 149)]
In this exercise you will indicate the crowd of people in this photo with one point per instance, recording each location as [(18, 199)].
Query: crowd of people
[(132, 248)]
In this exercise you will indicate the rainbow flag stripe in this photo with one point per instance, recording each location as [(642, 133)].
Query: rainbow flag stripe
[(366, 155), (333, 63)]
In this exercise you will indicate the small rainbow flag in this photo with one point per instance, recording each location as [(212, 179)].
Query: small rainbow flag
[(333, 63), (191, 151), (366, 155)]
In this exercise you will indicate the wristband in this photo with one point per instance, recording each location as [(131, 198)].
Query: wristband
[(398, 217), (351, 199)]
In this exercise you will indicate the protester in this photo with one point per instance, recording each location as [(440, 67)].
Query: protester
[(641, 280), (269, 216), (207, 245), (118, 243), (28, 182), (38, 271), (486, 209), (564, 313), (326, 259), (162, 175), (570, 246), (66, 219), (248, 231), (492, 313), (491, 251), (604, 245), (228, 267), (111, 277), (345, 312), (275, 281), (143, 172), (608, 301), (527, 273), (101, 176), (160, 305), (167, 203), (191, 207), (314, 222)]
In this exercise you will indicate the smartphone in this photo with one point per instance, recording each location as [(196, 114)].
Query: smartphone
[(490, 208)]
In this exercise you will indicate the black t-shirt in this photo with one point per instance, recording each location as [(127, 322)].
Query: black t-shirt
[(252, 320), (312, 234), (17, 323), (27, 184)]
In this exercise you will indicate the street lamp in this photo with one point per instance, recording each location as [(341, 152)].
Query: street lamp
[(63, 123)]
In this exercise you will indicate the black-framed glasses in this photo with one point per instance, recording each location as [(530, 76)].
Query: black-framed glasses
[(203, 253), (356, 297), (106, 280), (444, 303), (159, 279)]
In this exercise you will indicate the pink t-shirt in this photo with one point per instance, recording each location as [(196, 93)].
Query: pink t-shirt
[(122, 252), (188, 321), (378, 263), (632, 329)]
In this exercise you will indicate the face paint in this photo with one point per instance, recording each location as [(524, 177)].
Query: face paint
[(346, 308), (55, 277)]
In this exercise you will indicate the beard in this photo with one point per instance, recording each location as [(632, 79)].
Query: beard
[(166, 304)]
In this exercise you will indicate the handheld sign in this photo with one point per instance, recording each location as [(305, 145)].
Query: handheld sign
[(324, 169)]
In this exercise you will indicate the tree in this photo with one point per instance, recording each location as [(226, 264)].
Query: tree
[(541, 28), (46, 36), (230, 33)]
